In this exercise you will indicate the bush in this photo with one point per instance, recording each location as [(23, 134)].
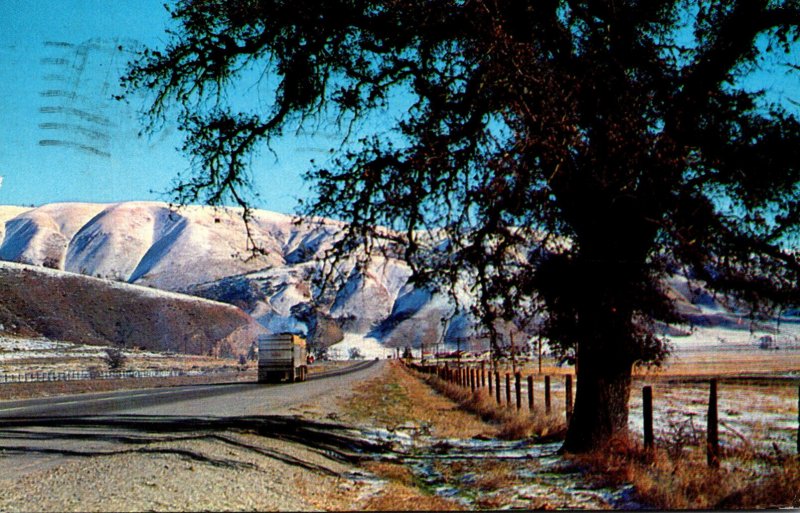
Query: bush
[(114, 358), (356, 354)]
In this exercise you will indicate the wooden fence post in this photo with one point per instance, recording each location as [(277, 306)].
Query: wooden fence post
[(508, 389), (490, 382), (712, 432), (798, 420), (472, 380), (530, 392), (647, 411), (568, 404), (483, 375), (497, 386), (547, 395), (518, 389)]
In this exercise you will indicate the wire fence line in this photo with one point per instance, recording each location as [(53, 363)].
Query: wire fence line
[(45, 376), (516, 389)]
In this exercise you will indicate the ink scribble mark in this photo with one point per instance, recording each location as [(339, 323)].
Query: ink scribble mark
[(60, 44), (54, 77), (73, 128), (82, 114), (78, 146), (55, 61), (53, 93), (78, 105)]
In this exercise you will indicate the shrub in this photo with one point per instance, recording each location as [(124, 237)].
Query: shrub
[(114, 358)]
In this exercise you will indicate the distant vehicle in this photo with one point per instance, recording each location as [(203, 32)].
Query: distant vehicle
[(767, 342), (282, 357)]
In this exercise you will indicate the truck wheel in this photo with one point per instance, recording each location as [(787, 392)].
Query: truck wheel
[(292, 375)]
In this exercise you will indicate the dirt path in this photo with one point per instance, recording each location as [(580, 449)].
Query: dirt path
[(444, 453)]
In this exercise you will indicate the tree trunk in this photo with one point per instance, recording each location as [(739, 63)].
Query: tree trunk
[(594, 300), (605, 352), (601, 403)]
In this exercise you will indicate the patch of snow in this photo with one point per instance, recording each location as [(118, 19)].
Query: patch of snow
[(12, 348), (718, 337), (369, 347)]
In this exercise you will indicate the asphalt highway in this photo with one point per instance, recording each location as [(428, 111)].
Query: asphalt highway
[(216, 400), (37, 434)]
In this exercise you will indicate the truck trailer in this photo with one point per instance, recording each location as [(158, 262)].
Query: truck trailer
[(281, 357)]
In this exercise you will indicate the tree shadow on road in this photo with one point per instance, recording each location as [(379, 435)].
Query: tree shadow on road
[(91, 436)]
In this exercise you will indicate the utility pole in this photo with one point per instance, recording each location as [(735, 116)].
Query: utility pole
[(540, 353), (513, 353)]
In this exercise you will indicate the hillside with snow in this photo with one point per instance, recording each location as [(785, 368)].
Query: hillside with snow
[(204, 251), (63, 306)]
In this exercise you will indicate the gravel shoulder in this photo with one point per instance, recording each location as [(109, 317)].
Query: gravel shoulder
[(246, 473)]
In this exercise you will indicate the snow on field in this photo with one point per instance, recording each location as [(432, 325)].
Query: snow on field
[(724, 338), (369, 347), (756, 416), (13, 349), (538, 477)]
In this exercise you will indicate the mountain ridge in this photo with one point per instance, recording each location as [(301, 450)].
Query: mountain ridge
[(205, 252)]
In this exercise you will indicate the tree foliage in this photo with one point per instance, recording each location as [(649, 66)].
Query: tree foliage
[(562, 156)]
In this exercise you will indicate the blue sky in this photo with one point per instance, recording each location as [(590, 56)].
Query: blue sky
[(63, 137)]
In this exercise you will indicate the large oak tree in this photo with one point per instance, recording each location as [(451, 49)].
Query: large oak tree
[(562, 156)]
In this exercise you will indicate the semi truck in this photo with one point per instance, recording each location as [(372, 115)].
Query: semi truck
[(281, 357)]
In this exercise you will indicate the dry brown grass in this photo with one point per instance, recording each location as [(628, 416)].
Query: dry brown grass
[(400, 497), (724, 363), (744, 481), (396, 398), (490, 475), (700, 363), (747, 480), (394, 472), (512, 424)]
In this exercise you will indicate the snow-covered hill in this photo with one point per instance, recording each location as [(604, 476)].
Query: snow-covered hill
[(63, 306), (204, 251)]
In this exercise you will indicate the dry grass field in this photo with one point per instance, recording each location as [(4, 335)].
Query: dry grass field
[(758, 398)]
